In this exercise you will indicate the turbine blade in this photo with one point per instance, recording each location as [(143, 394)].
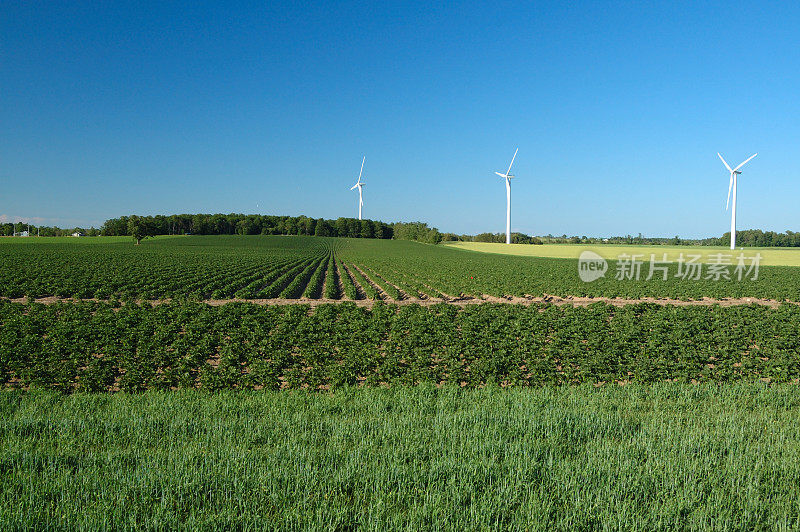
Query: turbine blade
[(723, 162), (512, 161), (501, 175), (744, 163), (362, 168), (354, 186), (730, 185)]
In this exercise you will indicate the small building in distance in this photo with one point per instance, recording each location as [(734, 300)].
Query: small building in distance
[(77, 234), (22, 233)]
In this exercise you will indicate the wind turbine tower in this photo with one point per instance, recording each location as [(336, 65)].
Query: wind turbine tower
[(732, 186), (360, 185), (507, 176)]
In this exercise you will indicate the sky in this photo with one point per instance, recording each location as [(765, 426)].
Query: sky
[(618, 110)]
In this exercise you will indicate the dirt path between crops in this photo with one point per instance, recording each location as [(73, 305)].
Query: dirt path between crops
[(462, 301), (373, 275)]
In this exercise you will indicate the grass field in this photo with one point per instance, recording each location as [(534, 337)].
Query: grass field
[(770, 256), (294, 267), (661, 457)]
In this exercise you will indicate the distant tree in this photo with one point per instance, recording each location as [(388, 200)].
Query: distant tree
[(367, 230), (353, 228), (140, 228), (341, 227), (322, 228), (199, 224), (115, 227), (377, 230), (245, 226), (433, 236), (311, 226)]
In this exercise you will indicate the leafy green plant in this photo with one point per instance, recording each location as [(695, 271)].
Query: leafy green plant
[(104, 346)]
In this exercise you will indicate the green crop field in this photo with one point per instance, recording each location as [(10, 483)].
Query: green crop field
[(99, 347), (663, 457), (287, 382), (770, 256), (293, 267)]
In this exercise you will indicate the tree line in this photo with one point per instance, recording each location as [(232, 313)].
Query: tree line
[(253, 224), (11, 229), (759, 238), (498, 238), (745, 238)]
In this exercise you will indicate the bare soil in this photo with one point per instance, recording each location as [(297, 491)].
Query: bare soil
[(339, 282)]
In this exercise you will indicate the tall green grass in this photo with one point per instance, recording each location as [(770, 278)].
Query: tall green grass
[(665, 456)]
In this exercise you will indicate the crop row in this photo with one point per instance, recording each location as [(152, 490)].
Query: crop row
[(331, 279), (102, 346), (301, 267), (348, 285), (254, 267)]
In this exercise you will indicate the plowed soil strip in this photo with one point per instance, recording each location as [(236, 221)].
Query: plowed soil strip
[(420, 289), (339, 282), (378, 288), (446, 297), (404, 294)]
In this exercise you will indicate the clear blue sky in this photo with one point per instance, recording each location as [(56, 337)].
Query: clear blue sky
[(618, 110)]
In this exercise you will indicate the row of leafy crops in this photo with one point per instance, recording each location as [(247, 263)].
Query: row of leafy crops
[(348, 285), (331, 290), (436, 271), (262, 267), (360, 279), (102, 346), (187, 267)]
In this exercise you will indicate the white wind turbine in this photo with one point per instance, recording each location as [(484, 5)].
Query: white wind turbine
[(507, 176), (732, 186), (359, 184)]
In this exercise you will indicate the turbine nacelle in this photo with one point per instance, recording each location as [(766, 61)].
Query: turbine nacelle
[(734, 172)]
